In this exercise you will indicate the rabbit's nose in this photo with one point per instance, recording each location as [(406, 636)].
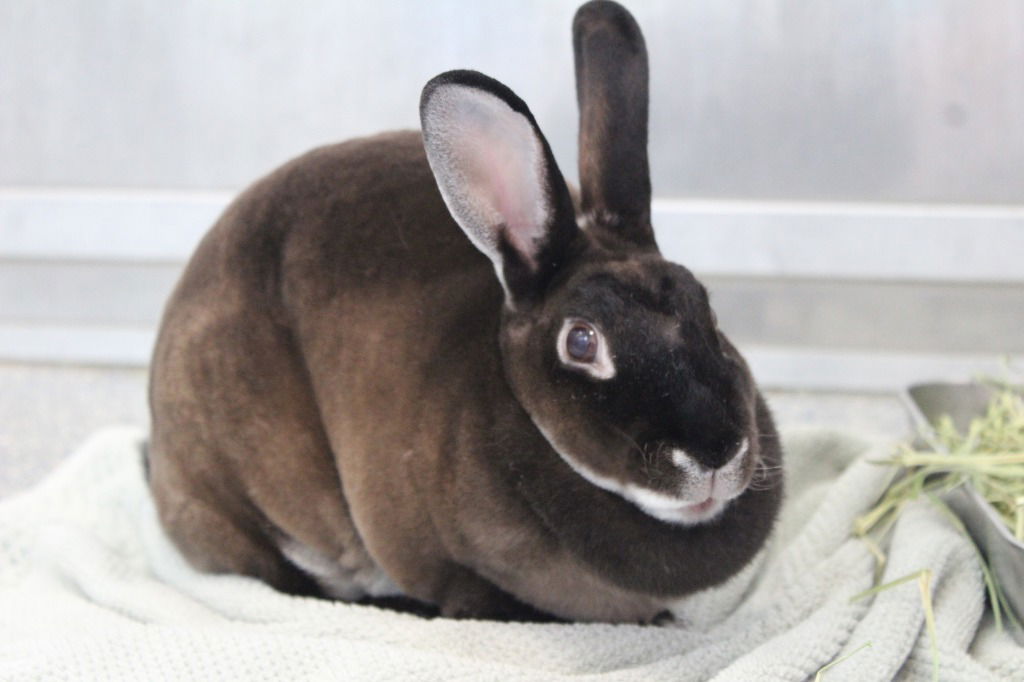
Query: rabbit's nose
[(728, 480), (735, 460), (728, 460)]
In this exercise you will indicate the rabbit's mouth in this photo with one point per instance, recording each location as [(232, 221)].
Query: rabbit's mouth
[(672, 510), (701, 483), (662, 506), (700, 501), (700, 495)]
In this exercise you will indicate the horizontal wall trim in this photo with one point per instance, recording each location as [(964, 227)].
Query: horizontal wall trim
[(785, 368), (844, 241), (758, 239), (105, 226), (851, 314)]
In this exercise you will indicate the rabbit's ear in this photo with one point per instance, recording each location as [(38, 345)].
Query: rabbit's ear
[(611, 88), (499, 179)]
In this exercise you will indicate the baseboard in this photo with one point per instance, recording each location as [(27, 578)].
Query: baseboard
[(69, 344)]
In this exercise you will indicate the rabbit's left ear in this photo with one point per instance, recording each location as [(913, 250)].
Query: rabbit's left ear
[(611, 88), (499, 179)]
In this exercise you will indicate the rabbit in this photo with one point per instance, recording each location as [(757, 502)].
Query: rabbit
[(410, 367)]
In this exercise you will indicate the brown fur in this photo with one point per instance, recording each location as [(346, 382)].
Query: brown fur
[(329, 373)]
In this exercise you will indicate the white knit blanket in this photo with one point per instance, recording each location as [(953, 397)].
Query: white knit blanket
[(91, 589)]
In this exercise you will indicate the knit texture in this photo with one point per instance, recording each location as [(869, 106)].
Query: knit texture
[(90, 588)]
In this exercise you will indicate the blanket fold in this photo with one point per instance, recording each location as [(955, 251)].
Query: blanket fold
[(90, 588)]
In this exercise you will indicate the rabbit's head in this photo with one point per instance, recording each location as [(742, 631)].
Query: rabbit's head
[(613, 351)]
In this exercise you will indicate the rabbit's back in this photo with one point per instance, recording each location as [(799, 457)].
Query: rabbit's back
[(303, 316)]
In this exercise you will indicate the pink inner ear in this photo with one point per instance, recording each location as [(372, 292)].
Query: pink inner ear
[(503, 165)]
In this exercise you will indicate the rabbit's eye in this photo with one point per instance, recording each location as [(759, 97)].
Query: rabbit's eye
[(582, 348), (581, 343)]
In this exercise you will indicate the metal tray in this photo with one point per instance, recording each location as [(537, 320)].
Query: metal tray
[(1005, 554)]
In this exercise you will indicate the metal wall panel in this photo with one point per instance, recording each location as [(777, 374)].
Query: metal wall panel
[(920, 100), (859, 316), (90, 293)]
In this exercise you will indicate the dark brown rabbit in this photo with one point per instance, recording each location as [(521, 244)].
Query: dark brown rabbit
[(352, 398)]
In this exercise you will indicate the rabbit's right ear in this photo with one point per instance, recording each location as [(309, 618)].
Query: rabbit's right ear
[(499, 179)]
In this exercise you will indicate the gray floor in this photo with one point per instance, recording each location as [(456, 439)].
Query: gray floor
[(45, 411)]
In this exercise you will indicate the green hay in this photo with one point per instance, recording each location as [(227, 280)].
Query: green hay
[(924, 582), (821, 673), (989, 457)]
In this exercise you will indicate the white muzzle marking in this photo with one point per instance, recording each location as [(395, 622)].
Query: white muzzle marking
[(706, 492)]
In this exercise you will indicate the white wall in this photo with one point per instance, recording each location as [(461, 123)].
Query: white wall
[(849, 176), (918, 100)]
